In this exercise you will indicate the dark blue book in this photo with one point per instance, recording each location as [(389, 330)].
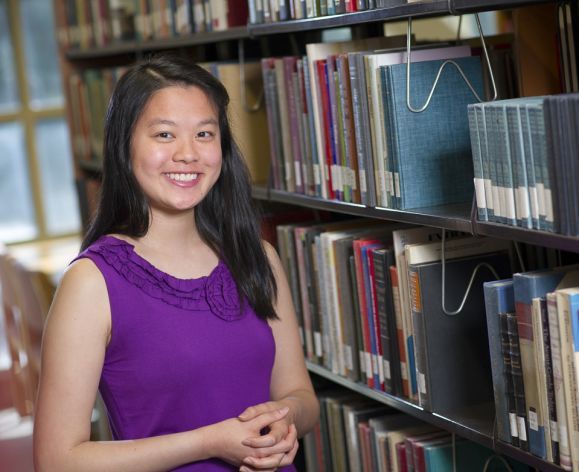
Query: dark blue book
[(499, 298), (431, 149)]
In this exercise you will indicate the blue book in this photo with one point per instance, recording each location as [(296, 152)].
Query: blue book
[(485, 158), (431, 149), (477, 164), (313, 149), (499, 298), (520, 181), (529, 164)]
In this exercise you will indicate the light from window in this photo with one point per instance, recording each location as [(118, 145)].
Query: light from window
[(58, 191), (9, 101), (16, 209), (40, 53)]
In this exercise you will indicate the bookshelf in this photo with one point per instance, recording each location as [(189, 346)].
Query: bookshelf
[(474, 425)]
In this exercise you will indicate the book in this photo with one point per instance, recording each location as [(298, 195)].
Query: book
[(567, 309), (451, 379), (518, 384), (559, 390), (499, 298), (431, 148), (508, 380)]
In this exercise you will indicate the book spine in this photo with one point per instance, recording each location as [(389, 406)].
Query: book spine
[(529, 165), (419, 340), (569, 380), (518, 384), (317, 180), (551, 404), (477, 165), (404, 387), (525, 292), (379, 263), (485, 158), (508, 379), (560, 403)]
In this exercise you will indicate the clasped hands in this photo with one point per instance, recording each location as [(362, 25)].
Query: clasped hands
[(247, 447)]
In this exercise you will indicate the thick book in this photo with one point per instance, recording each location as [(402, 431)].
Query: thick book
[(499, 298), (559, 389), (539, 311), (518, 385), (383, 260), (567, 308), (431, 149), (460, 377), (508, 379)]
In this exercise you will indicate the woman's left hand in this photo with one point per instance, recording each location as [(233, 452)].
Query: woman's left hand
[(277, 430), (270, 458)]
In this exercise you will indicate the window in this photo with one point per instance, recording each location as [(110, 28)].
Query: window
[(37, 193)]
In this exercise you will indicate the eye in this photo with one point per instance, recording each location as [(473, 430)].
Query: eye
[(205, 135), (164, 135)]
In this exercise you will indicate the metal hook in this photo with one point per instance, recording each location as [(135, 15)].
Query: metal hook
[(469, 286), (443, 65), (242, 87)]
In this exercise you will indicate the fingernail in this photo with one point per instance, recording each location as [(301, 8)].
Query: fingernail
[(283, 410)]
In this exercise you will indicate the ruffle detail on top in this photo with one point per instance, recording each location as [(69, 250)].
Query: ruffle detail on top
[(216, 291)]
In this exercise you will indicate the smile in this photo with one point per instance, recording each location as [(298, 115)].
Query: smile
[(182, 177)]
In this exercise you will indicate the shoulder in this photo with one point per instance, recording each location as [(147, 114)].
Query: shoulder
[(84, 277)]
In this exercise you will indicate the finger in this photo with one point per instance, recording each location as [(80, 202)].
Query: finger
[(282, 447), (266, 419), (277, 432), (289, 457), (260, 463), (256, 410)]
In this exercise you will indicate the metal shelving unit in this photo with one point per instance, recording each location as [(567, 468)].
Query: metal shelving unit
[(453, 217), (475, 425), (136, 47)]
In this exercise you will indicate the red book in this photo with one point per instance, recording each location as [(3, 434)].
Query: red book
[(326, 161), (400, 330), (401, 456)]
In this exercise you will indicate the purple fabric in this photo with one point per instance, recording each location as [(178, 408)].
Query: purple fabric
[(182, 354)]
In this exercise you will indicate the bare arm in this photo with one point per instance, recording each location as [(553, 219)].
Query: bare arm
[(74, 344), (290, 383)]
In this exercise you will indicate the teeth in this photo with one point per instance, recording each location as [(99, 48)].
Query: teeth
[(183, 177)]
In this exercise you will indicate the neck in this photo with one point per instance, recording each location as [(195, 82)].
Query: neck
[(172, 233)]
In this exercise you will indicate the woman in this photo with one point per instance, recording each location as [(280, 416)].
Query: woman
[(175, 310)]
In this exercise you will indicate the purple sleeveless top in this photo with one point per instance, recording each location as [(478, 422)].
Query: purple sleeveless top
[(182, 354)]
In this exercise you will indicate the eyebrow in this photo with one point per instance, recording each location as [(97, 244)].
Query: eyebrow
[(161, 121)]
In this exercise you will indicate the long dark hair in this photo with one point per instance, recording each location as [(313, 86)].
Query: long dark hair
[(226, 218)]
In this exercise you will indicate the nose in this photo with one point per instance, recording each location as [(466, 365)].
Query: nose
[(185, 152)]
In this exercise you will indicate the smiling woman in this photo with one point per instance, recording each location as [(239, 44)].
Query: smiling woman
[(175, 310)]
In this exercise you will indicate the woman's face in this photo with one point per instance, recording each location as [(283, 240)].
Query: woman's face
[(176, 148)]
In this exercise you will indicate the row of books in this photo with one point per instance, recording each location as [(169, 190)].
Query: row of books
[(89, 92), (340, 127), (377, 305), (368, 296), (90, 23), (533, 325), (271, 11), (357, 435), (525, 162)]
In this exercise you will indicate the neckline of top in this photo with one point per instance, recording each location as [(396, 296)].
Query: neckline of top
[(145, 264)]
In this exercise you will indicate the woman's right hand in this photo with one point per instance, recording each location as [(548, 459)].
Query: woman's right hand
[(224, 440)]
